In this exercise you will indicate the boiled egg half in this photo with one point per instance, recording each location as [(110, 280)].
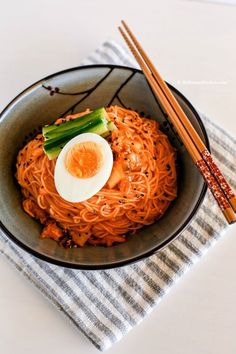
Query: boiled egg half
[(83, 167)]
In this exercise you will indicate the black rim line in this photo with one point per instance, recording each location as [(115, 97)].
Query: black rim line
[(148, 253)]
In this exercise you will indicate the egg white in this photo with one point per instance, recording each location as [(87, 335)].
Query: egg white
[(75, 189)]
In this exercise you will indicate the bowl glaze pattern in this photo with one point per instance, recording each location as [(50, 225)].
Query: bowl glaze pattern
[(72, 91)]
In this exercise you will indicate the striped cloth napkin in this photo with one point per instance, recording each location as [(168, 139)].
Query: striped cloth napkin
[(105, 305)]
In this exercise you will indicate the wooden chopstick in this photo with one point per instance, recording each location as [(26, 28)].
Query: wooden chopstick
[(182, 116), (180, 127)]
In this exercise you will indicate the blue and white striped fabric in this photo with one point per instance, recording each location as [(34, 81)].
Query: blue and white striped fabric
[(105, 305)]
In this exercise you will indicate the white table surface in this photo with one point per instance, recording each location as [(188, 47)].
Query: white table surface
[(193, 43)]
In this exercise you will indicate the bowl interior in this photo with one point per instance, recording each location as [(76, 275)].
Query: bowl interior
[(75, 90)]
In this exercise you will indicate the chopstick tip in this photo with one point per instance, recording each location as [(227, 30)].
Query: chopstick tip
[(121, 30), (229, 215), (124, 24)]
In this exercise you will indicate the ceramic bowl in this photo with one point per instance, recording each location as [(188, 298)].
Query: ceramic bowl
[(72, 91)]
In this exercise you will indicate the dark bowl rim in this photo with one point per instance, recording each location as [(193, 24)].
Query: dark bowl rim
[(130, 260)]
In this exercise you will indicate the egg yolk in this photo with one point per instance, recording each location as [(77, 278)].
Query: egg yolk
[(84, 160)]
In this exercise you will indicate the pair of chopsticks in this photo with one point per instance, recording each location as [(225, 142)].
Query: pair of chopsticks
[(200, 155)]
